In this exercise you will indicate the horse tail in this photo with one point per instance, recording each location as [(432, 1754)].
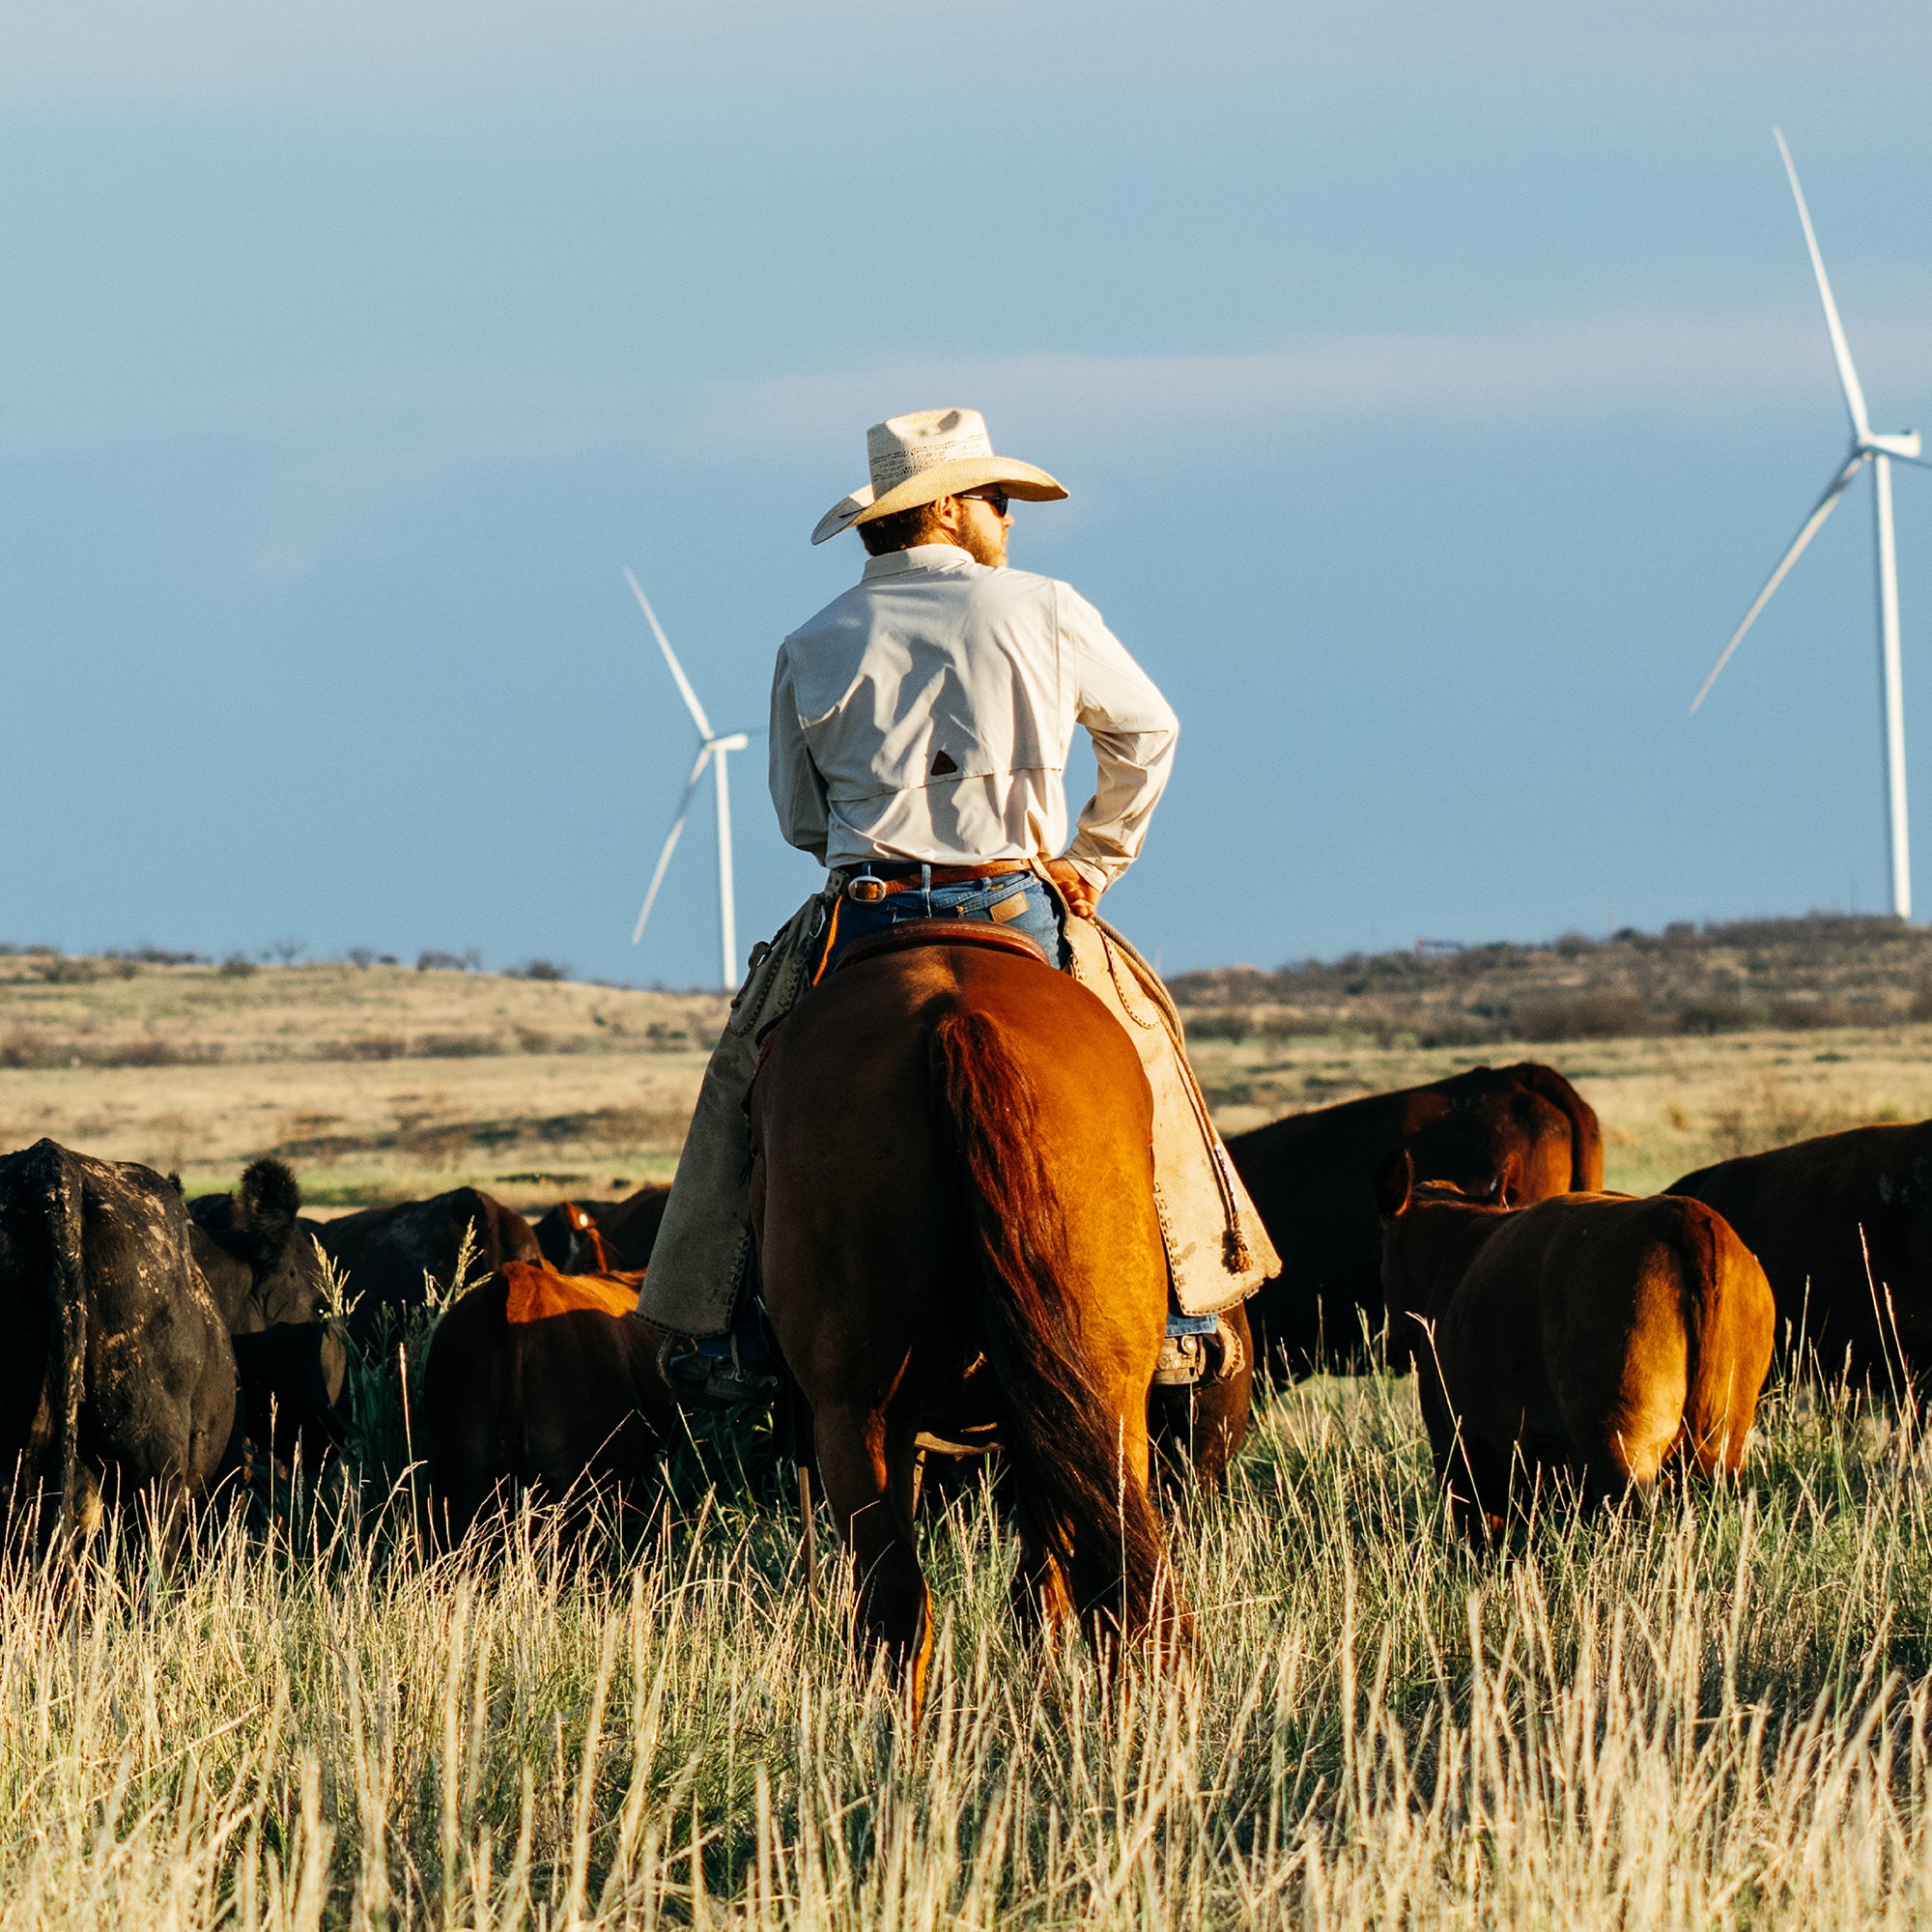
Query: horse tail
[(1587, 1134), (1073, 1496)]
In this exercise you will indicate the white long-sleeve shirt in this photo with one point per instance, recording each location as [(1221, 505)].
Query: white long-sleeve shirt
[(927, 713)]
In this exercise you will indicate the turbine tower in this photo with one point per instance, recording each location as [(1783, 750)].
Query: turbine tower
[(712, 748), (1880, 451)]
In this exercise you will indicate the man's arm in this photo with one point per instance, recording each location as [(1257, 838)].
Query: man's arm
[(1133, 729), (798, 792)]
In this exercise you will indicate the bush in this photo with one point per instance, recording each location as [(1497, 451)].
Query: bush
[(1597, 1014), (1804, 1015), (364, 1046), (543, 969), (1721, 1013), (455, 1046), (61, 971), (237, 966)]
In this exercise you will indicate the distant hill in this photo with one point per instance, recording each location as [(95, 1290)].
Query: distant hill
[(1826, 970)]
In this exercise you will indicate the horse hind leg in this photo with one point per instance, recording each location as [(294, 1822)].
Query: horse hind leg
[(892, 1607)]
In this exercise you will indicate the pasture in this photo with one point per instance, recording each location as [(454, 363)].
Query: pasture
[(1710, 1713), (382, 1082)]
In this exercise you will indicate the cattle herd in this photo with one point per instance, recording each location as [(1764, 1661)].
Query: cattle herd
[(1563, 1339)]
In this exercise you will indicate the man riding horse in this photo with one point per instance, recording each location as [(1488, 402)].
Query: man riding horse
[(919, 730)]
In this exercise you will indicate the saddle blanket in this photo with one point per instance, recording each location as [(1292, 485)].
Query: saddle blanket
[(537, 1291)]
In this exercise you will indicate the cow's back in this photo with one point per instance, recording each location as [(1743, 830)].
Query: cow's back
[(1812, 1213), (1605, 1332), (1312, 1180), (554, 1406), (387, 1252)]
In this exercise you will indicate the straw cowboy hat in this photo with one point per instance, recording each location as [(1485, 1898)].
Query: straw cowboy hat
[(929, 454)]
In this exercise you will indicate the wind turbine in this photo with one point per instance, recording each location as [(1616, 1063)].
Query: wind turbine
[(712, 748), (1867, 446)]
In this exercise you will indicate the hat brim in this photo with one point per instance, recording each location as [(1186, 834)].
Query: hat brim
[(944, 479)]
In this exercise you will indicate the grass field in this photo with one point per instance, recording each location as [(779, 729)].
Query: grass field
[(1714, 1713)]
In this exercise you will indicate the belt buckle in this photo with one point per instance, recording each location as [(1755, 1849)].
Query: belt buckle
[(866, 891)]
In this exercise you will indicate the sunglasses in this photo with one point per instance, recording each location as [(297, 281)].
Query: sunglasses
[(994, 495)]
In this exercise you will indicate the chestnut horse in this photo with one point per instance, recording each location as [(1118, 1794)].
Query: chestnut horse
[(953, 1193)]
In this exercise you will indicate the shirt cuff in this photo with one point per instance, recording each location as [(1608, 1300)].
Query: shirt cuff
[(1096, 875)]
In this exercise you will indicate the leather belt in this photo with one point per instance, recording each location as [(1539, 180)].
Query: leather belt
[(878, 882)]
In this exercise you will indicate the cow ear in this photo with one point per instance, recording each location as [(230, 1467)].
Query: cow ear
[(1507, 1181), (1395, 1183)]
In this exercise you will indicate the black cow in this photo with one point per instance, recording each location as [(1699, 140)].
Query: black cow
[(1313, 1176), (385, 1252), (118, 1376), (1843, 1226), (268, 1283)]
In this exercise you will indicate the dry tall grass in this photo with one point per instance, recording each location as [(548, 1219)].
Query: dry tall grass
[(1713, 1715)]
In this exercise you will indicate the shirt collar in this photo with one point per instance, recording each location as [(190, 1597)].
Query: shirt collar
[(921, 556)]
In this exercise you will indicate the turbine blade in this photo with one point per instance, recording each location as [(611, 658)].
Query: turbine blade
[(671, 843), (1822, 509), (1848, 377), (691, 703)]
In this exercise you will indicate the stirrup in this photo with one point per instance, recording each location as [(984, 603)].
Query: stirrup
[(1195, 1349), (695, 1374)]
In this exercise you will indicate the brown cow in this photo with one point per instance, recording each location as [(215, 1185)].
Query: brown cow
[(545, 1383), (1595, 1338), (561, 1228), (1812, 1213), (385, 1252), (599, 1236), (1313, 1180)]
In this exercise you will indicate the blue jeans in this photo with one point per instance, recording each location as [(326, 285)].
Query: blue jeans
[(859, 918)]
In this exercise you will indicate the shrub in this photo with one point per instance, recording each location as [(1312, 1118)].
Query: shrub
[(1803, 1015), (364, 1046), (237, 966), (1597, 1014), (455, 1046), (1720, 1013), (61, 971)]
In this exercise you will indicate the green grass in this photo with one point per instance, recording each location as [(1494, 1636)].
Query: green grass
[(1713, 1714)]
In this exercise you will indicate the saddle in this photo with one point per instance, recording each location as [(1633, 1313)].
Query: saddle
[(942, 932)]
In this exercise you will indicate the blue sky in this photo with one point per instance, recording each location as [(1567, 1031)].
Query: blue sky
[(1434, 383)]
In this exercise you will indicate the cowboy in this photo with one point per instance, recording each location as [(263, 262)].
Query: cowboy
[(921, 725)]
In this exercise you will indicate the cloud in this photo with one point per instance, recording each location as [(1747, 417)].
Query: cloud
[(1590, 370), (767, 72), (402, 430), (283, 564)]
